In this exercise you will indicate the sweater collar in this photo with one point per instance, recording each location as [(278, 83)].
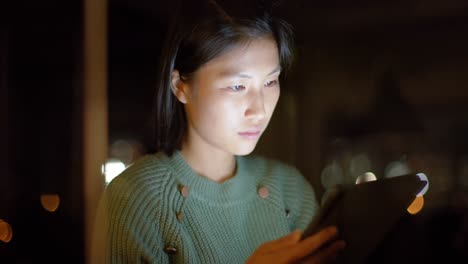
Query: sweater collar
[(241, 187)]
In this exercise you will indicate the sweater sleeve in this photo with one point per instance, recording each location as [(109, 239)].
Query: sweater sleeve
[(125, 230), (300, 199)]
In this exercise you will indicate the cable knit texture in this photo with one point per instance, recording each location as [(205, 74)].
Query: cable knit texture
[(151, 221)]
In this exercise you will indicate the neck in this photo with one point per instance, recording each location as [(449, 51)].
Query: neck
[(214, 164)]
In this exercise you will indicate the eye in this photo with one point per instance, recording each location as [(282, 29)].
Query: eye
[(271, 83), (237, 88)]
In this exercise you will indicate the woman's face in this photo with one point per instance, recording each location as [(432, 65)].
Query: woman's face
[(230, 100)]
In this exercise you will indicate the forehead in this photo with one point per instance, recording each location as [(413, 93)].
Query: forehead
[(258, 56)]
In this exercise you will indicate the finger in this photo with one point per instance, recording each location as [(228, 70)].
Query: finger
[(327, 254), (312, 243), (285, 241)]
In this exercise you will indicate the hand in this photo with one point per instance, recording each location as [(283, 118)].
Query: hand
[(291, 249)]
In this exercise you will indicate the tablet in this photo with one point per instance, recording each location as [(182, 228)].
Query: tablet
[(366, 212)]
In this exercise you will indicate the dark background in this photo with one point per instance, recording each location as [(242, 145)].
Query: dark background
[(383, 80)]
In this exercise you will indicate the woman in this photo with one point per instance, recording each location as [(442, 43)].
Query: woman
[(200, 199)]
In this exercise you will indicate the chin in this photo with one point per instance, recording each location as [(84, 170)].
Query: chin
[(244, 151)]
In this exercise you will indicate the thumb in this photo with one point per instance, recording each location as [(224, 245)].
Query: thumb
[(289, 239), (296, 235)]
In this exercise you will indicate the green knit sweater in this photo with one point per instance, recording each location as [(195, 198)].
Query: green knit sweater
[(161, 211)]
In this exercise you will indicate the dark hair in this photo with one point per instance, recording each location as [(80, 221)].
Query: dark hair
[(194, 39)]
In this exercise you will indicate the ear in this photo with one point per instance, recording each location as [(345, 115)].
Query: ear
[(179, 87)]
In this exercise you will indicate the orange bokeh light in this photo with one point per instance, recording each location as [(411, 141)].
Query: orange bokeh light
[(416, 206), (6, 233), (50, 202)]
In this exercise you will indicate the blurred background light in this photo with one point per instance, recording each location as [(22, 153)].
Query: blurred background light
[(359, 165), (366, 177), (423, 177), (123, 150), (50, 202), (6, 233), (416, 206), (112, 168), (396, 168), (332, 175)]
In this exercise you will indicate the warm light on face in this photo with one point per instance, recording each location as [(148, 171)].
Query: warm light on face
[(416, 206), (50, 202), (6, 233)]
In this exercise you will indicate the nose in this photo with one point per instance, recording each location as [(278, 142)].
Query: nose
[(256, 108)]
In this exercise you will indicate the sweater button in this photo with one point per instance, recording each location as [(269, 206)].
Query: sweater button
[(184, 190), (180, 216), (170, 250), (288, 213), (263, 192)]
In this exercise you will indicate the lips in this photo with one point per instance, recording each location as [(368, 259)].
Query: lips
[(250, 134)]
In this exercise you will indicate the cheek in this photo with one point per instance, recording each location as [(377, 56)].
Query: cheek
[(271, 99), (217, 110), (231, 110)]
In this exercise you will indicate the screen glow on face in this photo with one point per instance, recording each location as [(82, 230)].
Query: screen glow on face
[(232, 98)]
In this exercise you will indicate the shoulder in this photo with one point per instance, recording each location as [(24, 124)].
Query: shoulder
[(131, 205), (142, 182), (147, 168)]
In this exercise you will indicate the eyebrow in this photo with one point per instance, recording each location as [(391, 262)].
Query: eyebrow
[(243, 75)]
